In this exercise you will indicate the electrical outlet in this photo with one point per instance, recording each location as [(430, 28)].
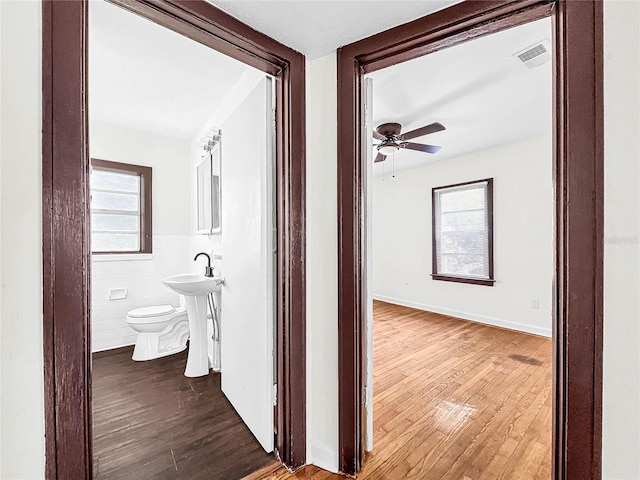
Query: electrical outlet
[(535, 303)]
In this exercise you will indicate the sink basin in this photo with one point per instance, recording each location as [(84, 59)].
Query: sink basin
[(193, 284), (195, 289)]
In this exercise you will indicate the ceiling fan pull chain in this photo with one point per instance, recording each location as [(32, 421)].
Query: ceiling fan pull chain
[(393, 165)]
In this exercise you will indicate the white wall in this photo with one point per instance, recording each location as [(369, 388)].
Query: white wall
[(21, 364), (322, 268), (169, 158), (523, 237), (621, 398), (141, 275), (22, 436), (1, 91)]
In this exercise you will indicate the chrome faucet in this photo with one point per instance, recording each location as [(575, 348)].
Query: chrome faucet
[(208, 271)]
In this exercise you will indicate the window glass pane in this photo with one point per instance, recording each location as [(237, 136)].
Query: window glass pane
[(460, 264), (115, 242), (114, 201), (101, 222), (468, 220), (461, 232), (465, 199), (121, 182), (462, 242)]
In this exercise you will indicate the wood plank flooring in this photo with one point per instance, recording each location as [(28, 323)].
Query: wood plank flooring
[(152, 422), (453, 400)]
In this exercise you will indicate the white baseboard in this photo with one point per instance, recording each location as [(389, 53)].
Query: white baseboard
[(322, 456), (496, 322)]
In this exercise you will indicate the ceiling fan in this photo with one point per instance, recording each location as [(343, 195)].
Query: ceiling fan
[(392, 140)]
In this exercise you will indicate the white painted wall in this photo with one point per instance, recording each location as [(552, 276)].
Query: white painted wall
[(22, 407), (141, 275), (1, 91), (621, 397), (523, 237), (169, 158), (322, 268), (21, 363)]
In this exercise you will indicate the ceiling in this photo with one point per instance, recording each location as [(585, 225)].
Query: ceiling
[(476, 89), (482, 95), (147, 77), (318, 27)]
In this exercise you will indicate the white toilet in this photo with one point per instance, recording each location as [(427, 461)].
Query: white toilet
[(162, 330)]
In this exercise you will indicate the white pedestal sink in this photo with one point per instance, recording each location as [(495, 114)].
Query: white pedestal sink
[(195, 288)]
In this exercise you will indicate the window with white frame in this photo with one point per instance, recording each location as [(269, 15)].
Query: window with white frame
[(120, 208), (462, 234)]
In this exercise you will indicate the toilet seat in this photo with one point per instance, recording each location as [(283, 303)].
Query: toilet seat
[(152, 311), (153, 314)]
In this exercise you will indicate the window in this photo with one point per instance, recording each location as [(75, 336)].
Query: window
[(120, 207), (462, 217)]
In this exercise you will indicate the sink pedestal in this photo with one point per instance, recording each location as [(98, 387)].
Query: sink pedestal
[(197, 359), (195, 289)]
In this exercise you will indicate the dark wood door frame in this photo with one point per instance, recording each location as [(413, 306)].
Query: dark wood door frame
[(579, 184), (66, 252)]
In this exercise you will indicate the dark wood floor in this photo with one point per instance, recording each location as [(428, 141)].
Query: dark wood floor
[(453, 400), (152, 422)]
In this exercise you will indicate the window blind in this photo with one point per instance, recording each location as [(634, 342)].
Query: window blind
[(115, 211), (462, 230)]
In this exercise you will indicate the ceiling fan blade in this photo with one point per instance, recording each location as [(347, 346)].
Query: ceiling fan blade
[(420, 147), (379, 158), (377, 136), (419, 132)]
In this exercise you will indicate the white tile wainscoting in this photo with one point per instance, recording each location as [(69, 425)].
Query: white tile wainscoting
[(142, 276)]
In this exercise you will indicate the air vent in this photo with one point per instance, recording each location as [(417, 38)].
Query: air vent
[(534, 55)]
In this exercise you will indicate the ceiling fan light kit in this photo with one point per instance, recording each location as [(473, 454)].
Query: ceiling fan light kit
[(387, 148), (392, 140)]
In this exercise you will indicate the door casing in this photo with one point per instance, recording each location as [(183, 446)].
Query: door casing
[(65, 218), (578, 188)]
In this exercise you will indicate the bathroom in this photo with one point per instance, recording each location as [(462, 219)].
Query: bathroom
[(189, 134)]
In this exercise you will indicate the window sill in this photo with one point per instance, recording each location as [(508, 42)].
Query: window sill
[(120, 257), (474, 281)]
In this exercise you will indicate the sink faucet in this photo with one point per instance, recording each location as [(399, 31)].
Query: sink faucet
[(208, 271)]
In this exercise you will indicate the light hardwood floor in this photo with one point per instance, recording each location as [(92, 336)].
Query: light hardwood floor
[(453, 400)]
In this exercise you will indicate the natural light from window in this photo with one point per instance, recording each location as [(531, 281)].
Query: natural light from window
[(115, 211), (463, 231)]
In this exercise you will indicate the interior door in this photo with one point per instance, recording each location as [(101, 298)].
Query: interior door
[(247, 296), (368, 262)]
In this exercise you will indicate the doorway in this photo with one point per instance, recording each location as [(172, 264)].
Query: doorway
[(179, 175), (459, 256), (578, 163), (66, 252)]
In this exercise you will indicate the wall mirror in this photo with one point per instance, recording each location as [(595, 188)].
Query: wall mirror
[(209, 195)]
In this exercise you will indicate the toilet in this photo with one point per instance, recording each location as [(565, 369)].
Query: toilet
[(162, 330)]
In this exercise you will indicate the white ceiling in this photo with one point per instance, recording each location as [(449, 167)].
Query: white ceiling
[(147, 77), (480, 94), (318, 27)]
